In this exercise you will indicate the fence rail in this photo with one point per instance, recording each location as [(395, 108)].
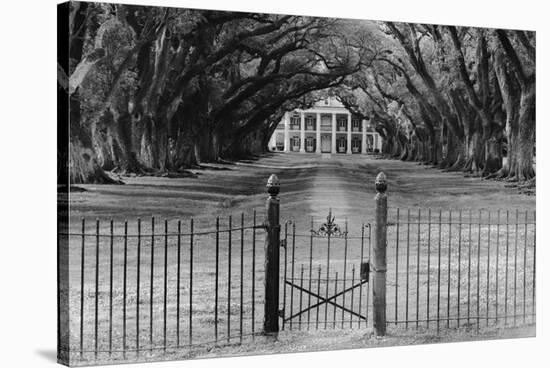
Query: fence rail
[(148, 286), (461, 267)]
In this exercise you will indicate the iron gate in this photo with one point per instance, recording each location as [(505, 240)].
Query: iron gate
[(325, 276)]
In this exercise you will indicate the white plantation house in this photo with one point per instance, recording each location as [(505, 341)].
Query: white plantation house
[(328, 127)]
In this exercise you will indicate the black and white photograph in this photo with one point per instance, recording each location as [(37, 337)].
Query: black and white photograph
[(234, 183), (237, 182)]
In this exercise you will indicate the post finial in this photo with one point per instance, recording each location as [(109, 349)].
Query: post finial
[(273, 185), (380, 183)]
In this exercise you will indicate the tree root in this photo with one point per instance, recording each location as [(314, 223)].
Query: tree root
[(529, 187), (179, 174), (443, 165), (132, 166), (529, 184), (103, 177), (498, 175), (458, 165)]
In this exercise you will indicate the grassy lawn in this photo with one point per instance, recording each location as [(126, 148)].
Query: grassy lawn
[(310, 185)]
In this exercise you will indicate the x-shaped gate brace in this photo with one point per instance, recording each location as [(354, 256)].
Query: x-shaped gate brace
[(326, 300)]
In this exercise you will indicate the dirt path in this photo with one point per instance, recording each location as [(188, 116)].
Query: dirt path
[(328, 191)]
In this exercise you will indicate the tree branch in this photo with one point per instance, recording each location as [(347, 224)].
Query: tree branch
[(512, 55)]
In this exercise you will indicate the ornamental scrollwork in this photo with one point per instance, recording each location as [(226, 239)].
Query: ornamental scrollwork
[(329, 228)]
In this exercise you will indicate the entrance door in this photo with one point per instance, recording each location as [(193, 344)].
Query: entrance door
[(310, 144), (295, 144), (325, 143), (355, 145), (342, 145)]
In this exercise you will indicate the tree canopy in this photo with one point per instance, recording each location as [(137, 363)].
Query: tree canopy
[(157, 89)]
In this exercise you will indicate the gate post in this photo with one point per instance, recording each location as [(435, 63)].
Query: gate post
[(379, 261), (272, 244)]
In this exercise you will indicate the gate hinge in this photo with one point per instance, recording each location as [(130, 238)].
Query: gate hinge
[(283, 243), (282, 313)]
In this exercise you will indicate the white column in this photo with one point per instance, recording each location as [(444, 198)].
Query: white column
[(349, 134), (333, 149), (302, 132), (287, 138), (318, 133), (363, 136)]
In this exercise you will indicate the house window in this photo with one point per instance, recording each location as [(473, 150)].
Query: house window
[(295, 122), (310, 123), (356, 125), (342, 124), (326, 123)]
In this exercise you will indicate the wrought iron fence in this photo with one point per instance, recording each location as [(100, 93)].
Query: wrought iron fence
[(142, 286), (460, 268), (139, 288)]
